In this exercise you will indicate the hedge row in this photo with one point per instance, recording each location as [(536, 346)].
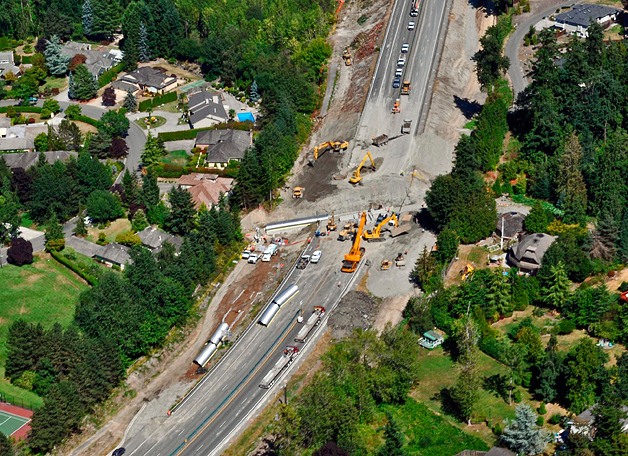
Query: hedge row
[(191, 134), (153, 103), (109, 75), (170, 171), (87, 120), (89, 278), (32, 109)]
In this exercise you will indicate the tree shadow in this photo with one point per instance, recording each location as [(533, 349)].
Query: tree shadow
[(447, 403), (497, 385), (467, 107)]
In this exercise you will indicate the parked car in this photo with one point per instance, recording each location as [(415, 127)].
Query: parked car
[(405, 47), (253, 258), (396, 83), (316, 256), (246, 254), (411, 25)]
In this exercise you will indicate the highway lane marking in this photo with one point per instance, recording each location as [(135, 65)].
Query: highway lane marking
[(191, 440), (149, 450), (182, 431)]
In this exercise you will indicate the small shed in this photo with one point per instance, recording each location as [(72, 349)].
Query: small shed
[(431, 339)]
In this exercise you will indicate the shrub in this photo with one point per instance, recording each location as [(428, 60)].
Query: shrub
[(145, 105), (109, 75), (517, 397), (566, 327), (20, 252), (71, 265), (102, 239), (555, 418), (540, 421), (542, 410), (623, 287), (497, 429)]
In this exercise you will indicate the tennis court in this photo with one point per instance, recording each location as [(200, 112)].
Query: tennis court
[(10, 423)]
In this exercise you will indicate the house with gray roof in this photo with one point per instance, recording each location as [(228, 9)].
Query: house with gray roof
[(147, 79), (154, 239), (26, 160), (114, 255), (17, 144), (98, 58), (222, 146), (206, 109), (578, 18), (527, 254), (509, 224), (7, 64)]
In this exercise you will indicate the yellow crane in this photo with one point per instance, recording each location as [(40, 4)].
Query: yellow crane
[(335, 145), (375, 234), (353, 258), (356, 177)]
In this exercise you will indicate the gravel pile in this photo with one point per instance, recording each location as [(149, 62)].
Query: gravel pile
[(356, 310)]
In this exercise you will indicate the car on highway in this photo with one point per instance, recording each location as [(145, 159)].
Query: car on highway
[(303, 262), (316, 256), (411, 25), (118, 452), (398, 72), (405, 47), (401, 62), (396, 83)]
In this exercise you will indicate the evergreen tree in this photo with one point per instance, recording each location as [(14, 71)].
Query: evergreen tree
[(55, 238), (103, 206), (130, 103), (6, 448), (182, 212), (139, 221), (70, 134), (131, 190), (584, 375), (549, 372), (498, 296), (153, 151), (426, 272), (56, 62), (144, 43), (393, 439), (88, 18), (447, 243), (80, 229), (253, 92), (609, 416), (116, 123), (106, 18), (572, 190), (623, 237), (71, 89), (465, 391), (149, 194), (85, 84), (557, 291), (522, 435), (54, 140), (537, 220), (99, 144)]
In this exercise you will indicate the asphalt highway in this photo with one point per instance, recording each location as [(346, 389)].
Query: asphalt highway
[(204, 421)]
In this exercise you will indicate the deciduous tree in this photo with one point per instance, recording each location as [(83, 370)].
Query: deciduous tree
[(109, 97), (572, 190), (103, 206)]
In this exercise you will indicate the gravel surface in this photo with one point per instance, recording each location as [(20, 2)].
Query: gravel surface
[(356, 310)]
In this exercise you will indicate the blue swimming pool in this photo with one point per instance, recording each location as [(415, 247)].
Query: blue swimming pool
[(245, 117)]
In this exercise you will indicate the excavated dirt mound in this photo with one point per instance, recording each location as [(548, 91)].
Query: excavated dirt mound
[(356, 310)]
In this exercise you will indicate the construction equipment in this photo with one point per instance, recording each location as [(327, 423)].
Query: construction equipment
[(298, 192), (405, 128), (357, 177), (385, 266), (380, 140), (396, 109), (467, 272), (353, 258), (331, 224), (336, 146), (346, 55), (400, 261), (405, 88), (347, 231), (375, 234)]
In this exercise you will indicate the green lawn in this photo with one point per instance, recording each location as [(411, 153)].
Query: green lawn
[(158, 122), (176, 157), (56, 83), (43, 292)]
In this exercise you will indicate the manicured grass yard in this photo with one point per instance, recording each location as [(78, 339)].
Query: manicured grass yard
[(176, 157), (111, 231)]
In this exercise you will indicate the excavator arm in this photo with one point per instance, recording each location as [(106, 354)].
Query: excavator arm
[(357, 177), (376, 232), (352, 259)]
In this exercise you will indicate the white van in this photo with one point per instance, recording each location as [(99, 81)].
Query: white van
[(269, 252)]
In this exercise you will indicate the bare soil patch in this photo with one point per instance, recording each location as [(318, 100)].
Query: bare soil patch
[(355, 310), (390, 311)]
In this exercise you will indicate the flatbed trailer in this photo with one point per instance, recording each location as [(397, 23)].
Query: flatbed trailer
[(282, 364), (310, 324)]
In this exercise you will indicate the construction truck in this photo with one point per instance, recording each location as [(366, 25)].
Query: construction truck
[(357, 176), (467, 272), (336, 146), (346, 55), (280, 366), (396, 109), (331, 223), (347, 231), (385, 265), (405, 88), (380, 140), (310, 324), (400, 261), (405, 127), (353, 258), (298, 192), (375, 235)]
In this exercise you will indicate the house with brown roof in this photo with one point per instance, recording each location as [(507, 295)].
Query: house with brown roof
[(206, 189), (223, 146)]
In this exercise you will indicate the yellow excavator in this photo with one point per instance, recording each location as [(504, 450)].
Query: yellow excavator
[(353, 258), (375, 235), (467, 272), (331, 223), (334, 145), (356, 177)]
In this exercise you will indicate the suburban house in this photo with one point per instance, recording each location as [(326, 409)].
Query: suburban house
[(154, 239), (222, 146), (98, 58), (206, 109), (578, 19), (527, 254), (206, 189), (5, 125), (7, 64), (27, 160), (431, 339), (114, 255), (17, 144), (146, 79), (583, 424), (19, 138), (509, 225)]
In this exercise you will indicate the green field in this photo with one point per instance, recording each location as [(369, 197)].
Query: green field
[(43, 292), (176, 157)]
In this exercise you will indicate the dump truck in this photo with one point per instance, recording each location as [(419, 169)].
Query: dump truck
[(280, 366), (400, 261), (405, 127), (405, 88), (310, 324), (380, 140)]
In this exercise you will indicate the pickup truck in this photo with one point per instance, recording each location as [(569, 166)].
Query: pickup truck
[(303, 262)]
